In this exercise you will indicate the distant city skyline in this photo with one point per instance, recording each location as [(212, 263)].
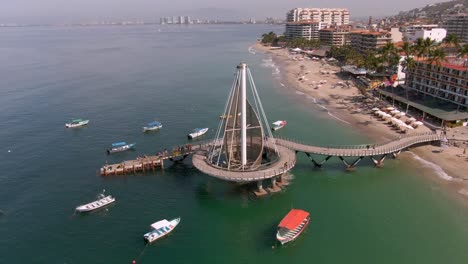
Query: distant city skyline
[(75, 11)]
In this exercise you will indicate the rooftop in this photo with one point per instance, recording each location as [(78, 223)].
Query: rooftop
[(455, 63), (439, 108)]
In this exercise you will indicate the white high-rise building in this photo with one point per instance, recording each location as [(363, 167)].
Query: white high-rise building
[(329, 16), (306, 22)]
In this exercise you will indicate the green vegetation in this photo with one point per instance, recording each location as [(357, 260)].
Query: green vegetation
[(274, 40)]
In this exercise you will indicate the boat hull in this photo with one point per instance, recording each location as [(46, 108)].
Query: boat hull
[(71, 125), (121, 149), (197, 134), (95, 205), (283, 240), (145, 129), (154, 235)]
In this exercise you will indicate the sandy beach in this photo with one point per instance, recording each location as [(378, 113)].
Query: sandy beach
[(323, 81)]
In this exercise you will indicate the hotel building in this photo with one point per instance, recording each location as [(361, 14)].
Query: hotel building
[(447, 81), (334, 36), (365, 40), (458, 25), (306, 22)]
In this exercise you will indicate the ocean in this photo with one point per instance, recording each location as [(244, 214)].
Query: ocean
[(121, 77)]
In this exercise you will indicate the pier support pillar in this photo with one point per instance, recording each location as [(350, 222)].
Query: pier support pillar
[(317, 164), (260, 191), (379, 162), (351, 166), (274, 187), (396, 154)]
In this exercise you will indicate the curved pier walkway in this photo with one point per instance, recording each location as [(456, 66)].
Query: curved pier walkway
[(286, 162), (360, 151)]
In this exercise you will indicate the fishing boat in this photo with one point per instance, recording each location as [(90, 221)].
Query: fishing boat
[(152, 126), (102, 201), (120, 146), (76, 123), (292, 225), (197, 132), (278, 124), (160, 229)]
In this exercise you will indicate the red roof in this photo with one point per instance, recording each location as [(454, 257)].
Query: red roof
[(293, 218)]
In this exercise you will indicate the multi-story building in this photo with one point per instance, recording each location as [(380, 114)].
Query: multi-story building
[(436, 34), (334, 36), (306, 22), (458, 25), (412, 28), (304, 29), (329, 16), (447, 81), (365, 40)]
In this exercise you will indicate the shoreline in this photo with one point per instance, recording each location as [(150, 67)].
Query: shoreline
[(323, 82)]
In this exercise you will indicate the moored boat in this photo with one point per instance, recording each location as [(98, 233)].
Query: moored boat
[(102, 201), (76, 123), (292, 225), (197, 132), (161, 229), (278, 124), (152, 126), (120, 146)]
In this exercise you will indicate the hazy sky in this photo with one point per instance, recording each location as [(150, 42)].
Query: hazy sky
[(63, 11)]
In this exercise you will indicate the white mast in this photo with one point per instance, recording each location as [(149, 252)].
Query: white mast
[(243, 68)]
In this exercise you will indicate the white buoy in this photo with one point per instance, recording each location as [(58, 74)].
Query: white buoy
[(9, 151)]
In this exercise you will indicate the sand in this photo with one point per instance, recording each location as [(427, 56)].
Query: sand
[(323, 81)]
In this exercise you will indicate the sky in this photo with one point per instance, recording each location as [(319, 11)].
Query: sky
[(74, 11)]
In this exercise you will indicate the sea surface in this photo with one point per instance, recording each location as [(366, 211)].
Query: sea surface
[(123, 77)]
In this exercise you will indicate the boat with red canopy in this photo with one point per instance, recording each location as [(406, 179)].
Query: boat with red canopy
[(292, 225)]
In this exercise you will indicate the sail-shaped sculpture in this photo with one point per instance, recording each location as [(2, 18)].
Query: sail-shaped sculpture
[(240, 143)]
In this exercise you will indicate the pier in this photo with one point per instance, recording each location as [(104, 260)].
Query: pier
[(245, 151), (151, 162)]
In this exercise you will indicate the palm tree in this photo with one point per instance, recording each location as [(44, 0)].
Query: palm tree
[(408, 64), (463, 51), (452, 42), (437, 56)]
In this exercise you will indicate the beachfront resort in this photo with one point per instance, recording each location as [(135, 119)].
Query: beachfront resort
[(386, 76)]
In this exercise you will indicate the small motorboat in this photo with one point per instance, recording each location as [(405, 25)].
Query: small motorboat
[(76, 123), (160, 229), (278, 124), (197, 132), (152, 126), (120, 146), (102, 201), (292, 225)]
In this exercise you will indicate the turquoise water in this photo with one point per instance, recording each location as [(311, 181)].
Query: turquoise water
[(124, 77)]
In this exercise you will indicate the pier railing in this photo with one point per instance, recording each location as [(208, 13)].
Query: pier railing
[(361, 149)]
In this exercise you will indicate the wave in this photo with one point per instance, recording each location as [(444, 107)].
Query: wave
[(268, 63), (436, 168)]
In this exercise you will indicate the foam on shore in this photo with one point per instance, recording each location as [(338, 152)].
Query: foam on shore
[(269, 63), (436, 168)]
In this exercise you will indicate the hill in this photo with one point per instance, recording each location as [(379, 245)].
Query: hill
[(432, 13)]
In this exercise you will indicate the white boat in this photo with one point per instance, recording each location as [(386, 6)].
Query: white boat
[(278, 124), (120, 146), (152, 126), (160, 229), (197, 132), (292, 225), (100, 202), (76, 123)]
